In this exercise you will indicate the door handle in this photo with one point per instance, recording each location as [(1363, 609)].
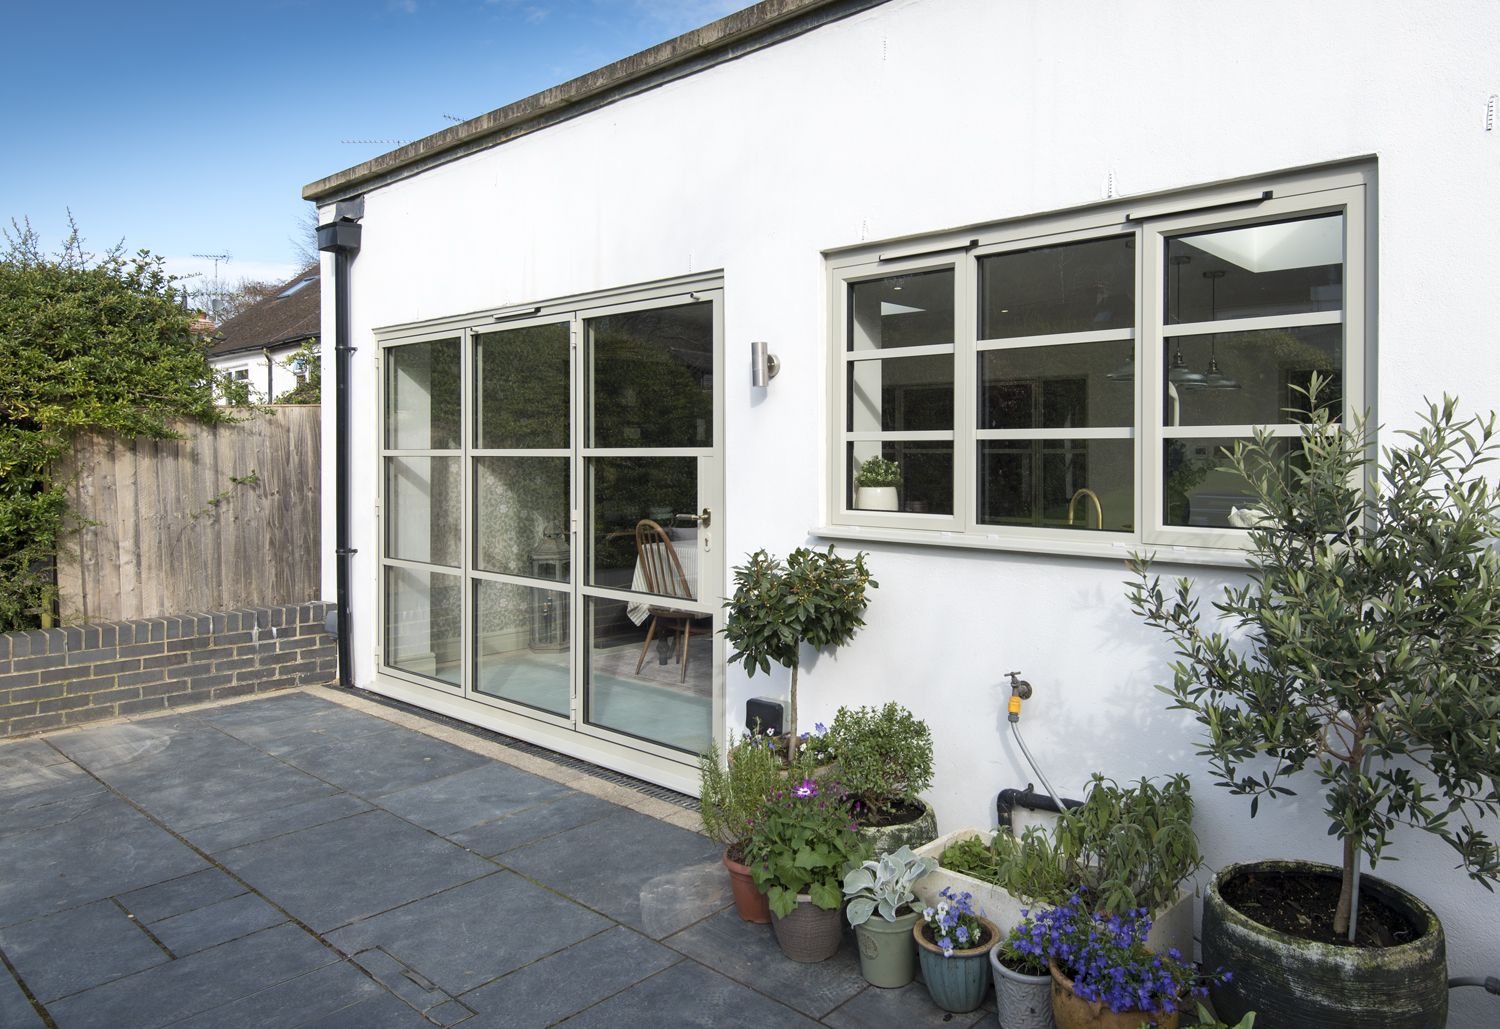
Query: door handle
[(704, 520)]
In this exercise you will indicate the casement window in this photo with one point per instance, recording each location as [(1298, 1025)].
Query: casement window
[(1076, 383)]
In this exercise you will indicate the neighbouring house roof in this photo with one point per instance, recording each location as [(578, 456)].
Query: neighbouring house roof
[(293, 314), (741, 33)]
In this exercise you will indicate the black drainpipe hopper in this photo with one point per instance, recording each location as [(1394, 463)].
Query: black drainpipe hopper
[(341, 238)]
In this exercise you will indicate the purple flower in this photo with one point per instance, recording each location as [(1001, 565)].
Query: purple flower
[(807, 789)]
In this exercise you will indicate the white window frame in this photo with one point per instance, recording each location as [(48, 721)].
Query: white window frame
[(1348, 189)]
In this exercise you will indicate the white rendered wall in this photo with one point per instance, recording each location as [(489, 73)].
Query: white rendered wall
[(924, 114)]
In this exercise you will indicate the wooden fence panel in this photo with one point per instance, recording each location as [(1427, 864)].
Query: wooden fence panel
[(163, 530)]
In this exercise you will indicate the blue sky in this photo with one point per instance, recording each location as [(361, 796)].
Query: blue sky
[(190, 128)]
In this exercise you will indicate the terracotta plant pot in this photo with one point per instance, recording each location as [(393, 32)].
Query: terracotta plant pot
[(888, 839), (1290, 981), (1022, 1001), (887, 955), (958, 983), (1073, 1012), (809, 933), (748, 901)]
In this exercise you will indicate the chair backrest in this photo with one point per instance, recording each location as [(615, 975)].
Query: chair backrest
[(658, 561)]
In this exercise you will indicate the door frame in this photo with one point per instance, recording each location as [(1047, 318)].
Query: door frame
[(572, 736)]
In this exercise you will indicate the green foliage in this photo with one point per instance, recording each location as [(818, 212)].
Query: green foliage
[(1364, 644), (814, 598), (804, 845), (885, 755), (877, 471), (733, 795), (85, 344), (1126, 847), (309, 389), (886, 884)]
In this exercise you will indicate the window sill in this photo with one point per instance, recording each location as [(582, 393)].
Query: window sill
[(1202, 556)]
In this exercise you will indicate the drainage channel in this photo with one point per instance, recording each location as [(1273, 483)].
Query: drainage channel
[(630, 782)]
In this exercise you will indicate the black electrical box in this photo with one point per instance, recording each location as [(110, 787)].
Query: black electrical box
[(762, 713)]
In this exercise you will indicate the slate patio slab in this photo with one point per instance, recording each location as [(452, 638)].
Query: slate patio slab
[(287, 862)]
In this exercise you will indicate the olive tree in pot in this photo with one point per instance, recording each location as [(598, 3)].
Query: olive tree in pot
[(1363, 648), (815, 598), (885, 760)]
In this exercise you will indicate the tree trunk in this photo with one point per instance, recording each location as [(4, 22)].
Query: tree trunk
[(791, 718), (1346, 894)]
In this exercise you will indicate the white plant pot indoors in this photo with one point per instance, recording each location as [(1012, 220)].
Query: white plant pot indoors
[(875, 498)]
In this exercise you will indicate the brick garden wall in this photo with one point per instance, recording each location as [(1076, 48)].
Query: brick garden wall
[(80, 673)]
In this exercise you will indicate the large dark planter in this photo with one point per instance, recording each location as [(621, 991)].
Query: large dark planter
[(888, 839), (1290, 982)]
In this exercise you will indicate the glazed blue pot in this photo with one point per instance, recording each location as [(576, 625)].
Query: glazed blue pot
[(956, 983)]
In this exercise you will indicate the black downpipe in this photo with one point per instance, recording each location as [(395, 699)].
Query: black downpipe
[(342, 238), (1009, 800)]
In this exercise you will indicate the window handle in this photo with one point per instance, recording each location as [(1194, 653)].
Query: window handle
[(703, 520)]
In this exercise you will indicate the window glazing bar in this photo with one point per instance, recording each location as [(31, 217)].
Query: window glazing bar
[(877, 354), (897, 437), (1284, 321), (1056, 338), (1110, 432)]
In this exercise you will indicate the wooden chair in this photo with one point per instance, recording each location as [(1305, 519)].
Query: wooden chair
[(663, 576)]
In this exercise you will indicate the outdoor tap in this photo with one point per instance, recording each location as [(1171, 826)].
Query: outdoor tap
[(1020, 690)]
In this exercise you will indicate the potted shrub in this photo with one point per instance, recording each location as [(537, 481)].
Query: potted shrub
[(879, 895), (955, 942), (732, 798), (814, 598), (885, 760), (1363, 650), (875, 484), (1023, 982), (799, 852), (1126, 847), (1103, 975)]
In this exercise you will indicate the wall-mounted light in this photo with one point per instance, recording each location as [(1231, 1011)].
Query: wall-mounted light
[(763, 364)]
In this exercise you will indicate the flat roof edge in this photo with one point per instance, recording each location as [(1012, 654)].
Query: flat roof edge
[(742, 32)]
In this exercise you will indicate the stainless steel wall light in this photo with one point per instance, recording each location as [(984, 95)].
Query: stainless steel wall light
[(763, 364)]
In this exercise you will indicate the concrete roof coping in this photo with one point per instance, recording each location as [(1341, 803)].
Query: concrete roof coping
[(721, 38)]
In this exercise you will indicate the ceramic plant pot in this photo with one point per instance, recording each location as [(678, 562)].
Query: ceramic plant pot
[(809, 933), (875, 498), (1071, 1011), (956, 983), (887, 952), (748, 901), (890, 838), (1289, 981), (1023, 1001)]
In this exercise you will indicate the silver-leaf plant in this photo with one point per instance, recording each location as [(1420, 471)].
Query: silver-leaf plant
[(885, 884), (1366, 643)]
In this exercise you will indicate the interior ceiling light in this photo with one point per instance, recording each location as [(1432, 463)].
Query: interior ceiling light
[(1124, 373), (888, 308), (1213, 379)]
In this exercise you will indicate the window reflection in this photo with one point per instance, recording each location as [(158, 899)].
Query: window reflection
[(1251, 378), (1290, 267), (424, 508), (902, 311), (424, 619), (522, 378), (1072, 287), (651, 378), (1059, 484), (1071, 385), (1201, 487), (926, 472), (913, 394), (423, 396)]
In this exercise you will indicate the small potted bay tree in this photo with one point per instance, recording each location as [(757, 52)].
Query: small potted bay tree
[(1363, 649), (814, 598)]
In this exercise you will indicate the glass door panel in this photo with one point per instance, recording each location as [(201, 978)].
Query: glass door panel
[(521, 642), (522, 379), (423, 622), (650, 671), (521, 516), (644, 501), (651, 378)]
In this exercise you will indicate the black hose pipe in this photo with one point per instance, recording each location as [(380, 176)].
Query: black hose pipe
[(1009, 800), (1490, 983)]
